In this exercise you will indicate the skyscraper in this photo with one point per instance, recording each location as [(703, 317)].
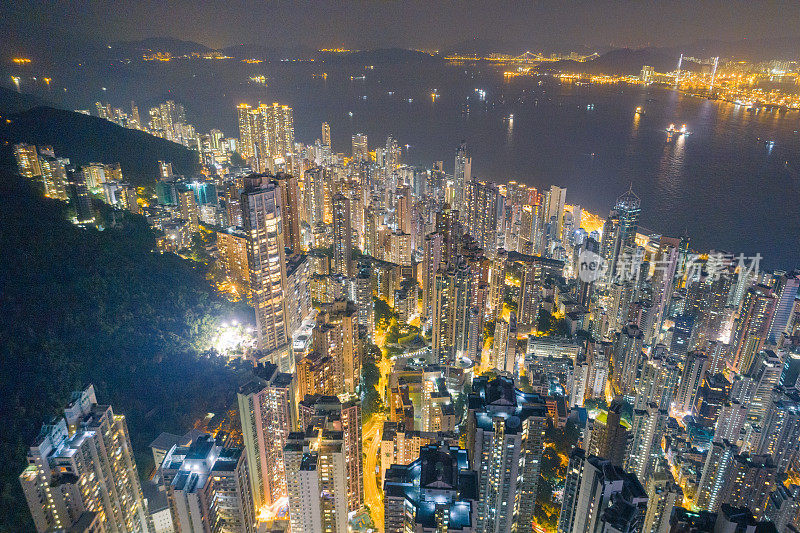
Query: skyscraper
[(649, 426), (263, 226), (607, 499), (83, 462), (435, 493), (752, 326), (505, 430), (326, 134), (317, 481), (208, 483), (694, 370), (627, 208), (716, 473), (27, 160), (786, 292), (326, 418), (266, 133), (627, 358), (290, 210), (555, 207), (482, 221), (360, 148), (462, 177), (342, 236), (266, 413)]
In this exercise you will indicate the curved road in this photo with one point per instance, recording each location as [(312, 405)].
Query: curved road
[(372, 445)]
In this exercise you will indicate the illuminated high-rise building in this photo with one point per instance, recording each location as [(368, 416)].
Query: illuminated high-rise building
[(245, 132), (316, 479), (694, 371), (780, 437), (208, 483), (505, 432), (555, 206), (290, 210), (627, 210), (451, 313), (716, 473), (609, 439), (27, 160), (83, 462), (462, 177), (663, 495), (482, 222), (266, 133), (529, 298), (54, 177), (431, 260), (572, 483), (266, 412), (261, 214), (326, 134), (360, 148), (752, 326), (786, 292), (608, 499), (436, 493), (504, 351), (336, 334), (328, 418), (628, 356), (232, 246), (649, 426), (342, 236)]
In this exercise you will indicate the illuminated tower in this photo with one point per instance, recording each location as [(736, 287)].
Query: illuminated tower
[(694, 370), (266, 412), (752, 326), (505, 431), (714, 481), (208, 483), (83, 462), (290, 210), (261, 214), (462, 177), (628, 208), (326, 134), (342, 236), (482, 219), (360, 148), (786, 293), (245, 146), (648, 428), (27, 160)]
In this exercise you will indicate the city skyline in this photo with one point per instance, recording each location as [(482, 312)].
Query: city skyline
[(400, 291)]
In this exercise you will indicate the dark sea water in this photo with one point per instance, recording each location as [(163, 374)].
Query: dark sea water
[(724, 184)]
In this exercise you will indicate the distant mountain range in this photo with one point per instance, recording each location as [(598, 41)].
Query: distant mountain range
[(85, 139)]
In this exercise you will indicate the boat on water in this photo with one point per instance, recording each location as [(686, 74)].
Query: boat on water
[(639, 111), (672, 130)]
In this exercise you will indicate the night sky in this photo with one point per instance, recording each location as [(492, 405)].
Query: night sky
[(374, 24)]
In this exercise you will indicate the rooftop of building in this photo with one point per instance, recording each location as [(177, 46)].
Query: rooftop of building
[(441, 477)]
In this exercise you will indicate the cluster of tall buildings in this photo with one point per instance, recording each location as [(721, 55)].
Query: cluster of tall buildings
[(60, 180), (510, 312)]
